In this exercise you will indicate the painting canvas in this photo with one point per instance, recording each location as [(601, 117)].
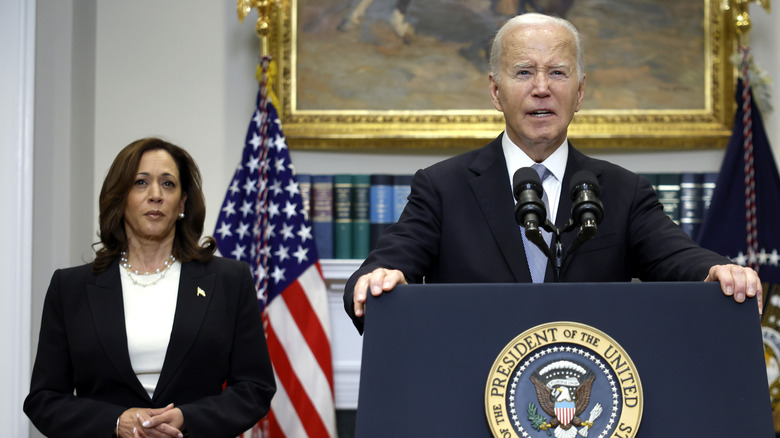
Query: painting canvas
[(432, 54), (423, 64)]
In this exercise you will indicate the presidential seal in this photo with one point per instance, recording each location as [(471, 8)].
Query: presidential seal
[(771, 339), (563, 379)]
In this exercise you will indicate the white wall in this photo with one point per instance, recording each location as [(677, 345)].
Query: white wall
[(110, 72)]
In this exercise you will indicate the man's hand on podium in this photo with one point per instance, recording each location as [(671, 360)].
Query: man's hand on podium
[(379, 281), (737, 281)]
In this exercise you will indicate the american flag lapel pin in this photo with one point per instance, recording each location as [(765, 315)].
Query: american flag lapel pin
[(201, 292)]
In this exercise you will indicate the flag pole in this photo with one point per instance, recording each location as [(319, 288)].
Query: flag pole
[(281, 250), (266, 69)]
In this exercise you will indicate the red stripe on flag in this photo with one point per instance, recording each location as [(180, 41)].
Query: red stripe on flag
[(304, 407), (309, 324)]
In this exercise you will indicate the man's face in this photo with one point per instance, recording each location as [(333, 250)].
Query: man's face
[(538, 89)]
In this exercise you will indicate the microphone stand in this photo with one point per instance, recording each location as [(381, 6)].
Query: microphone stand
[(554, 252)]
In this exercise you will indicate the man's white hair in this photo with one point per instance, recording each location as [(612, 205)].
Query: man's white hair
[(534, 19)]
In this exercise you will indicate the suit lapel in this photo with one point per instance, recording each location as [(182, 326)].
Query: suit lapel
[(196, 288), (491, 188), (108, 314)]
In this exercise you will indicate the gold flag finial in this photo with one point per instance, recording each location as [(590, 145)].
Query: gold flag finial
[(741, 17), (263, 25), (244, 8)]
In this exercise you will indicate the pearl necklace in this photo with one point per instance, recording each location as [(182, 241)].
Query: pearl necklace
[(160, 272)]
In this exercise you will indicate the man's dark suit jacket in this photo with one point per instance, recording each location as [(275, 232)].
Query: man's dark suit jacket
[(217, 338), (459, 227)]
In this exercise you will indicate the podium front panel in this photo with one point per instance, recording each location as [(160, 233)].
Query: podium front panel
[(428, 350)]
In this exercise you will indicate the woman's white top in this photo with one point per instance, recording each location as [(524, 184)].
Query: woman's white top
[(149, 315)]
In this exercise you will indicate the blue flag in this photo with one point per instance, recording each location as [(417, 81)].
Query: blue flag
[(725, 226), (743, 221)]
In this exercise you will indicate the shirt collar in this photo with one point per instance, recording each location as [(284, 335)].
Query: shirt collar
[(516, 158)]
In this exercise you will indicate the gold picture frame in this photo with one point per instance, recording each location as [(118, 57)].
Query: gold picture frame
[(706, 125)]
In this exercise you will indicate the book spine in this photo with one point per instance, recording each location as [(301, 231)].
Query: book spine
[(381, 210), (342, 216), (304, 185), (691, 203), (402, 187), (669, 194), (709, 180), (361, 218), (322, 214)]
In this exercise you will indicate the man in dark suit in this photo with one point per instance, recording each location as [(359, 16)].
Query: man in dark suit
[(459, 225)]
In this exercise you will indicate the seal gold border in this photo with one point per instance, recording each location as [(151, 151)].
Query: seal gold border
[(534, 343)]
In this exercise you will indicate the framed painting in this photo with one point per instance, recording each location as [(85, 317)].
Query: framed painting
[(413, 74)]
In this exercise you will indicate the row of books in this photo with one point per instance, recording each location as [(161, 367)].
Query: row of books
[(349, 211), (685, 196)]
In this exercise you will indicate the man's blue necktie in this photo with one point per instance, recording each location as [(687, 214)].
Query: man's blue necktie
[(537, 260)]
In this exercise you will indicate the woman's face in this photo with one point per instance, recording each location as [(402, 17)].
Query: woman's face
[(155, 199)]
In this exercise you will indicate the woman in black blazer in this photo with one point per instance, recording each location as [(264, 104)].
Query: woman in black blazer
[(157, 337)]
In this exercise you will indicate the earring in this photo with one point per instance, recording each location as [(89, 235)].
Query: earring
[(181, 215)]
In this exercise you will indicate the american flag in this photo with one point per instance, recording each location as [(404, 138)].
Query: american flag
[(262, 222)]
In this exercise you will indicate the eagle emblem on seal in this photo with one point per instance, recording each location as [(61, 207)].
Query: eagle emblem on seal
[(563, 391)]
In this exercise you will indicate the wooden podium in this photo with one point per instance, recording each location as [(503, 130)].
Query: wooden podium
[(428, 351)]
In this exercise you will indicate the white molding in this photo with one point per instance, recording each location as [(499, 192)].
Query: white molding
[(346, 343), (346, 379), (334, 269), (17, 21), (24, 236)]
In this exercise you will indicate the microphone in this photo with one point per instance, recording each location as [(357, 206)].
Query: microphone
[(530, 210), (586, 208)]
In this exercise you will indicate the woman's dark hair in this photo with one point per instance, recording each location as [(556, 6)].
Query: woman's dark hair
[(113, 197)]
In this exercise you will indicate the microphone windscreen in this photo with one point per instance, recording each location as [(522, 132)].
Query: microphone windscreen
[(526, 177), (584, 179)]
